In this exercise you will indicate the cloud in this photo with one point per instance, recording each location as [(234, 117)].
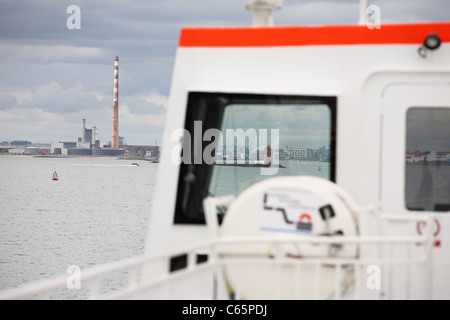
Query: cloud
[(317, 12), (413, 11), (56, 111), (155, 97), (299, 12), (7, 101), (48, 53), (53, 97), (32, 124), (128, 118), (20, 94)]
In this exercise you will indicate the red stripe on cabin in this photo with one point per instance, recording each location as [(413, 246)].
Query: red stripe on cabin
[(414, 33)]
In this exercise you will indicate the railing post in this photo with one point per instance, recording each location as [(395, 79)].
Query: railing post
[(133, 277), (337, 281), (94, 288), (277, 271), (317, 271)]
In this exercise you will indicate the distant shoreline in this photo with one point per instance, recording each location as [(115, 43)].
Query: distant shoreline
[(68, 156), (428, 163), (53, 156)]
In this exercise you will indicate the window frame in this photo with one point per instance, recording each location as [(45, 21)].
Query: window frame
[(200, 107)]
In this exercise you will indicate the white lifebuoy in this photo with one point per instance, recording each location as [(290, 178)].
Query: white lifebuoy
[(280, 207)]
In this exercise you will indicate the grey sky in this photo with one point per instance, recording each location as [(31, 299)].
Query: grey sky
[(300, 125), (52, 77), (427, 129)]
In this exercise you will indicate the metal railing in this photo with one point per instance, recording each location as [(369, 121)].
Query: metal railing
[(221, 272)]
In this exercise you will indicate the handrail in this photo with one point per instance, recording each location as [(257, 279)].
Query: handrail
[(45, 285), (326, 239), (93, 274)]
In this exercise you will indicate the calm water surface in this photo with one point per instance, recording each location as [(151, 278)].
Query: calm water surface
[(234, 179), (97, 212)]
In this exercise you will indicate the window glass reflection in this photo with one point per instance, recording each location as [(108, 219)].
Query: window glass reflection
[(427, 170)]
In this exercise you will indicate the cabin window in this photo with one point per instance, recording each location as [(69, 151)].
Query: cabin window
[(427, 169), (229, 135)]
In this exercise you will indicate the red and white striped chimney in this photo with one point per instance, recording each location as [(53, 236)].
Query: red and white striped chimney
[(115, 119)]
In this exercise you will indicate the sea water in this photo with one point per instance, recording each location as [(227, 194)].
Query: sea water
[(235, 179), (96, 212)]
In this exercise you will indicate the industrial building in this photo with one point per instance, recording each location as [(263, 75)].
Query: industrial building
[(87, 145)]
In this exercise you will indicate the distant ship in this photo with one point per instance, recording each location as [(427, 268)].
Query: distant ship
[(256, 163)]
